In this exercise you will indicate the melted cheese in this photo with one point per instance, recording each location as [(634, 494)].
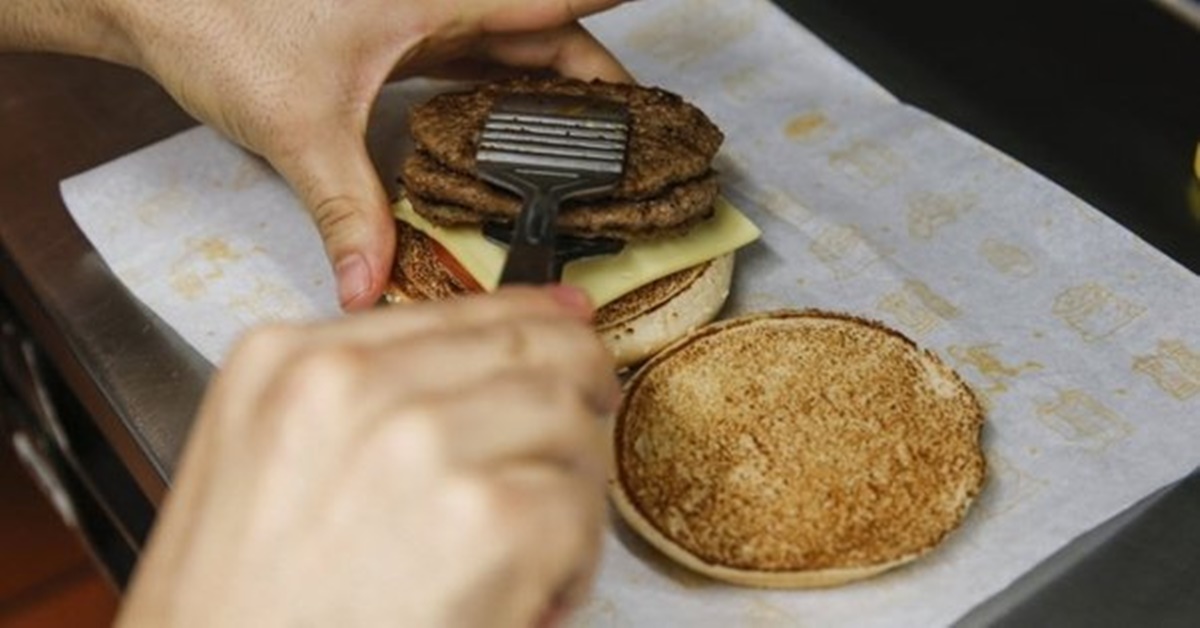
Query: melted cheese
[(607, 277)]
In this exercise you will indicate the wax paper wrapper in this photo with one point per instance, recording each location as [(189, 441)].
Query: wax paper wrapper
[(1081, 339)]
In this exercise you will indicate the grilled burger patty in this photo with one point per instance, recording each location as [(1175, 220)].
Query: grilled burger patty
[(450, 198), (668, 187), (670, 140)]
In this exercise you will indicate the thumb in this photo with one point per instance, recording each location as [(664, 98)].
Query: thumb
[(339, 186)]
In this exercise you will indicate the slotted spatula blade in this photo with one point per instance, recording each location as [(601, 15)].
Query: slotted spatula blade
[(547, 149)]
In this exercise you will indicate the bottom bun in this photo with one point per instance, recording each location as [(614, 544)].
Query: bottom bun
[(633, 327), (640, 323), (795, 449)]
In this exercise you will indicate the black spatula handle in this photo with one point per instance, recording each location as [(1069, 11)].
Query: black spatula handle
[(531, 254)]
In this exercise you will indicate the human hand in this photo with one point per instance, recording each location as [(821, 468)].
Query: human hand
[(433, 465), (294, 81)]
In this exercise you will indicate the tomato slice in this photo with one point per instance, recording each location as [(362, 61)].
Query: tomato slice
[(454, 267)]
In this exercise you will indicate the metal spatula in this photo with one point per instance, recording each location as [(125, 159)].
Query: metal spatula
[(548, 149), (567, 248)]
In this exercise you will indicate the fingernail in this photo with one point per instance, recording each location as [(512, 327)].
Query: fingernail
[(353, 278), (572, 298)]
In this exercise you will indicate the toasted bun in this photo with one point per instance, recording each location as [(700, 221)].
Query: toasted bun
[(633, 327), (795, 449), (655, 315), (417, 274)]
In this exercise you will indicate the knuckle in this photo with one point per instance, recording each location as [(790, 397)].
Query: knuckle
[(335, 214), (267, 341), (478, 505), (414, 440), (513, 341), (326, 369)]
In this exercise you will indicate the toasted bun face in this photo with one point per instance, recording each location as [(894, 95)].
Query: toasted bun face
[(795, 449), (632, 327)]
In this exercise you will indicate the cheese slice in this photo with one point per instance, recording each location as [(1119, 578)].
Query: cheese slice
[(604, 278)]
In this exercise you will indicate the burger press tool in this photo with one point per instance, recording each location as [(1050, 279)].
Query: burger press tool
[(548, 149)]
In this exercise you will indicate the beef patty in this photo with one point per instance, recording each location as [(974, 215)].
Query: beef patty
[(618, 220), (670, 140), (450, 198)]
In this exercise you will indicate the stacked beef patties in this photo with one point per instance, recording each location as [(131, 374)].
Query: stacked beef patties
[(668, 184), (668, 189)]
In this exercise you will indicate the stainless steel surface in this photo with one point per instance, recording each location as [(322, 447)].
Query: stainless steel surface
[(1139, 568), (140, 382)]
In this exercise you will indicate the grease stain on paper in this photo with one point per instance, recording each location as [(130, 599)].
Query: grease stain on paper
[(1007, 258), (745, 85), (870, 163), (845, 251), (267, 300), (216, 250), (930, 211), (1094, 311), (166, 201), (188, 284), (1081, 419), (782, 204), (687, 33), (806, 126), (1008, 486), (983, 359), (917, 308), (1173, 367), (202, 262)]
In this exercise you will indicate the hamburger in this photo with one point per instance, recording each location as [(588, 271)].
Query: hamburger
[(795, 449), (676, 265)]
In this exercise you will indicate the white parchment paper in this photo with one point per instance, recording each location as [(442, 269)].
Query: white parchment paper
[(1082, 340)]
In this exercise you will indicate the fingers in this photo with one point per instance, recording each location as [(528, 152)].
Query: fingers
[(563, 352), (567, 349), (387, 341), (382, 362), (520, 415), (501, 16), (559, 537), (391, 324), (569, 50), (336, 181)]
